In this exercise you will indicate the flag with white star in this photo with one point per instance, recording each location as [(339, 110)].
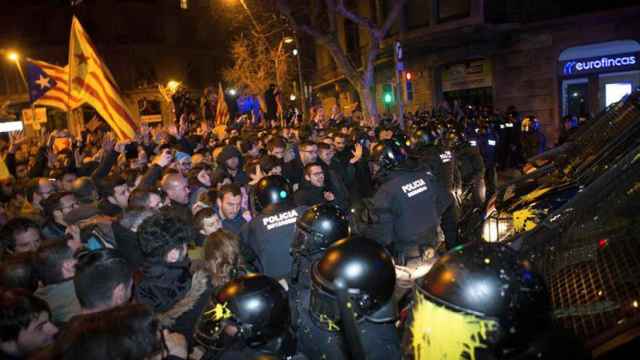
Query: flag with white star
[(48, 86)]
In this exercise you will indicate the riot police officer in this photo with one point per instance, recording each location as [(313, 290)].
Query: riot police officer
[(487, 144), (249, 318), (472, 170), (497, 306), (409, 207), (318, 228), (352, 311), (269, 235), (427, 148)]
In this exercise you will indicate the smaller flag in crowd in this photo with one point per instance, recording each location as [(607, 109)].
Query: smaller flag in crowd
[(222, 111)]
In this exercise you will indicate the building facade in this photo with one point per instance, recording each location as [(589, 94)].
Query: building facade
[(144, 43), (541, 57)]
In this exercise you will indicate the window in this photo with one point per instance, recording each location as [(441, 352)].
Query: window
[(453, 9), (184, 4), (616, 91)]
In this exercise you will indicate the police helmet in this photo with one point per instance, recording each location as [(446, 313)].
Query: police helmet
[(320, 226), (483, 290), (388, 154), (362, 267), (255, 305), (424, 136), (271, 190)]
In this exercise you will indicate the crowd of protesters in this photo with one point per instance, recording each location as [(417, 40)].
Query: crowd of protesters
[(113, 249)]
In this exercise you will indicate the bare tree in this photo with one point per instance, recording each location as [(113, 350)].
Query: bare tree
[(256, 65), (320, 24)]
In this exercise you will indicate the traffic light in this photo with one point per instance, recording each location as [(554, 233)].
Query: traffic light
[(409, 87), (387, 94)]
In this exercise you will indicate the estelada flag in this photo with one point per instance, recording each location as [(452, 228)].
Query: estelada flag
[(222, 111), (49, 86), (92, 81)]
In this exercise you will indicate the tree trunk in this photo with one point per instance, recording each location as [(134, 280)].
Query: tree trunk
[(367, 95)]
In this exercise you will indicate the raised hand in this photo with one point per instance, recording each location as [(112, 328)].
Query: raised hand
[(357, 154), (15, 139), (108, 142)]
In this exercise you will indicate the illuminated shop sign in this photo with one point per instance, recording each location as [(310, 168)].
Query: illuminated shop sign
[(606, 63)]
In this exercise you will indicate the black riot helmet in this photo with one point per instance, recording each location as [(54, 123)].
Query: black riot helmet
[(424, 136), (272, 190), (388, 154), (320, 226), (255, 304), (482, 298), (365, 270)]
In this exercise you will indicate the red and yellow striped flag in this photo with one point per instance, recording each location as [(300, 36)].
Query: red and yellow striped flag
[(222, 111), (92, 81)]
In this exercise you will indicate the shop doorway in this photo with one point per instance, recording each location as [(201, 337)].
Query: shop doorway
[(575, 98)]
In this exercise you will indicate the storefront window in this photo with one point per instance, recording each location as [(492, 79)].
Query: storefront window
[(614, 92), (471, 97)]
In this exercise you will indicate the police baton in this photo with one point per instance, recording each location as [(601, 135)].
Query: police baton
[(349, 325)]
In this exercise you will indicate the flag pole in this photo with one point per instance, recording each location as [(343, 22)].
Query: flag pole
[(26, 84)]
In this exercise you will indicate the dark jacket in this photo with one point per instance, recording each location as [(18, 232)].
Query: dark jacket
[(127, 242), (309, 195), (176, 296), (52, 230), (107, 208), (293, 171)]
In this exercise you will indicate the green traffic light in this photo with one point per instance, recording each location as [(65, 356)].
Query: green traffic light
[(388, 98)]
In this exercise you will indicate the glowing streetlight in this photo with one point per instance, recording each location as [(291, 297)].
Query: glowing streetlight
[(292, 97), (295, 52), (233, 92), (13, 56), (173, 86), (288, 40)]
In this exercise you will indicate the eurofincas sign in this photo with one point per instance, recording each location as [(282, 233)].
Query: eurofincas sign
[(606, 63)]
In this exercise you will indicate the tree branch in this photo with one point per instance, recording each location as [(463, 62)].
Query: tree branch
[(331, 15), (358, 19), (398, 5)]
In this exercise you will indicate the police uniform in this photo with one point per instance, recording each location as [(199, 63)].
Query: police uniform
[(487, 142), (442, 163), (472, 170), (319, 337), (269, 236), (316, 342), (411, 205)]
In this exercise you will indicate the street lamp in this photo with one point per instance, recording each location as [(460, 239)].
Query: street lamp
[(173, 86), (295, 52), (13, 56), (233, 92), (288, 40), (292, 97)]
